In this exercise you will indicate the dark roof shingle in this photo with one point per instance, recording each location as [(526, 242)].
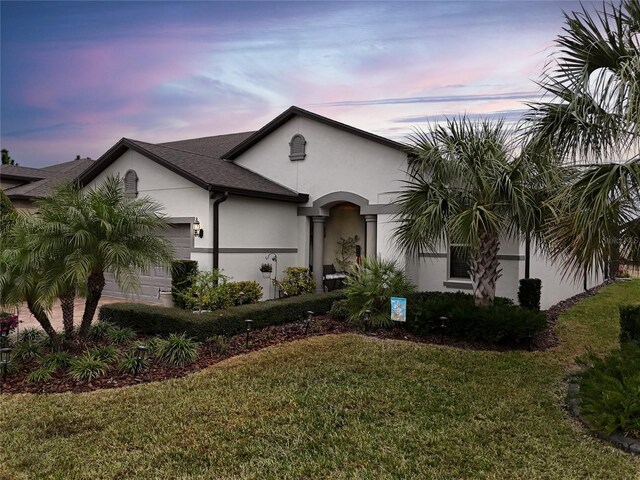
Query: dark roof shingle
[(55, 175)]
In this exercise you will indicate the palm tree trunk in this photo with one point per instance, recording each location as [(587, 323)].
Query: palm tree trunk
[(43, 319), (67, 300), (485, 270), (95, 285)]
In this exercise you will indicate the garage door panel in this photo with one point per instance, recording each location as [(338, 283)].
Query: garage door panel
[(157, 278)]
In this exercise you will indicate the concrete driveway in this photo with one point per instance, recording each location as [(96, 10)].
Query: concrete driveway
[(28, 321)]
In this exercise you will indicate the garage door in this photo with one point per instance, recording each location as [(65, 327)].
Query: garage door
[(180, 237)]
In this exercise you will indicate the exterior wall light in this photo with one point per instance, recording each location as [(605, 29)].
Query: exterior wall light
[(197, 231)]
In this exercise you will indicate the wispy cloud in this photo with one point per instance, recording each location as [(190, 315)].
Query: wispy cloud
[(435, 99), (507, 115)]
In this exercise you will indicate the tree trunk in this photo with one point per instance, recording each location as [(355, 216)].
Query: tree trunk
[(485, 270), (95, 285), (43, 319), (67, 300)]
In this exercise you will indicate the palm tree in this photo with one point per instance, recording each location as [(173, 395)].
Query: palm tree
[(467, 187), (591, 115), (22, 273), (107, 232)]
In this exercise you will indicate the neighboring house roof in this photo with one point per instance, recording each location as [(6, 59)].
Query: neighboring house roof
[(46, 179), (294, 111), (206, 170), (16, 172)]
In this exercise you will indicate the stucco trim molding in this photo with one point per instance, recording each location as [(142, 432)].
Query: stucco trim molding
[(322, 205), (458, 285), (181, 219), (246, 250), (516, 258)]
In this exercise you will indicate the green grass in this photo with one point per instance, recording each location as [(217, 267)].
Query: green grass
[(332, 407)]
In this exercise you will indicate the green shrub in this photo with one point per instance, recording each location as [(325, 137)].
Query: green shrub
[(87, 368), (156, 320), (208, 291), (100, 330), (609, 395), (57, 360), (40, 375), (371, 286), (177, 350), (130, 364), (107, 354), (120, 335), (339, 310), (529, 293), (245, 292), (32, 335), (182, 273), (296, 281), (217, 344), (629, 323), (28, 350), (501, 322)]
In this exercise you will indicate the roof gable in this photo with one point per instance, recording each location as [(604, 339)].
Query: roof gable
[(294, 111), (206, 171)]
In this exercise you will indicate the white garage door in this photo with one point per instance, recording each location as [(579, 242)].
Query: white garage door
[(180, 236)]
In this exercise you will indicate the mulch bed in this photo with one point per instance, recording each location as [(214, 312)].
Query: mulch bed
[(321, 325)]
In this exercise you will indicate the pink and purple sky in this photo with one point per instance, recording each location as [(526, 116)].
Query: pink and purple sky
[(78, 76)]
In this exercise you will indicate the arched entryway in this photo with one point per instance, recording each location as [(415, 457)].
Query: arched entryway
[(335, 216)]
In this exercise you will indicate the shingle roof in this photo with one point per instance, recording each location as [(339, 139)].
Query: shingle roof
[(213, 170), (214, 146), (55, 175), (22, 173)]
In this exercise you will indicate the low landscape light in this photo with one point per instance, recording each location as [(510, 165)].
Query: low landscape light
[(308, 322), (443, 326), (5, 359), (140, 353), (248, 322), (367, 317)]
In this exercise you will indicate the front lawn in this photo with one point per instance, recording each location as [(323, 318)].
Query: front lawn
[(340, 406)]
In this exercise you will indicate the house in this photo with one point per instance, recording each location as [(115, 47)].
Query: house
[(290, 191), (23, 185)]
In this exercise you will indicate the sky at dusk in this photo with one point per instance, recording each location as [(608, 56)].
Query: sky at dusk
[(78, 76)]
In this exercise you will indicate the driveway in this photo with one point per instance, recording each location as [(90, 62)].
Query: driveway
[(28, 321)]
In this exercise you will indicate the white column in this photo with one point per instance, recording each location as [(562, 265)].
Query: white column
[(372, 226), (318, 251)]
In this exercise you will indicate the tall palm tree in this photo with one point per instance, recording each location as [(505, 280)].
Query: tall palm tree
[(466, 186), (591, 115)]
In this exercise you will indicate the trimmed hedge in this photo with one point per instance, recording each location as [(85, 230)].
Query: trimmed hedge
[(182, 273), (156, 320), (629, 323), (529, 293), (501, 322)]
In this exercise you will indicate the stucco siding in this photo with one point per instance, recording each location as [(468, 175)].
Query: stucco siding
[(335, 161)]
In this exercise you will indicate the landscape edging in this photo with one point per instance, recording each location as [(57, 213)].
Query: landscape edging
[(628, 444)]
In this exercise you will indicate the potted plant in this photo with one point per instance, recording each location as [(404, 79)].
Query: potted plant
[(266, 269), (166, 297)]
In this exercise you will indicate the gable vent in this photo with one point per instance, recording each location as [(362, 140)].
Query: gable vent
[(131, 183), (298, 146)]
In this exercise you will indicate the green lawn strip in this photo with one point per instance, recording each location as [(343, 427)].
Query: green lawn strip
[(331, 407)]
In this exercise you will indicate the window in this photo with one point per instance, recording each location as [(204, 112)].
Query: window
[(297, 148), (459, 256), (131, 183)]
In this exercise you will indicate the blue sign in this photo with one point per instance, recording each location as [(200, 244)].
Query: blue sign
[(398, 309)]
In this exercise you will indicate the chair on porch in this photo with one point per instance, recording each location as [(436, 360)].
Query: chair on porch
[(329, 283)]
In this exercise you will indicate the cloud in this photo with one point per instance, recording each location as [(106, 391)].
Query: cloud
[(435, 99), (507, 115)]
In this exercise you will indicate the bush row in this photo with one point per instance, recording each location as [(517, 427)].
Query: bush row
[(156, 320), (501, 322), (629, 323)]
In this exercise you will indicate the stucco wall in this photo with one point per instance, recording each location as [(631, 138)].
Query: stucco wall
[(178, 196), (336, 161), (254, 228), (345, 221)]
